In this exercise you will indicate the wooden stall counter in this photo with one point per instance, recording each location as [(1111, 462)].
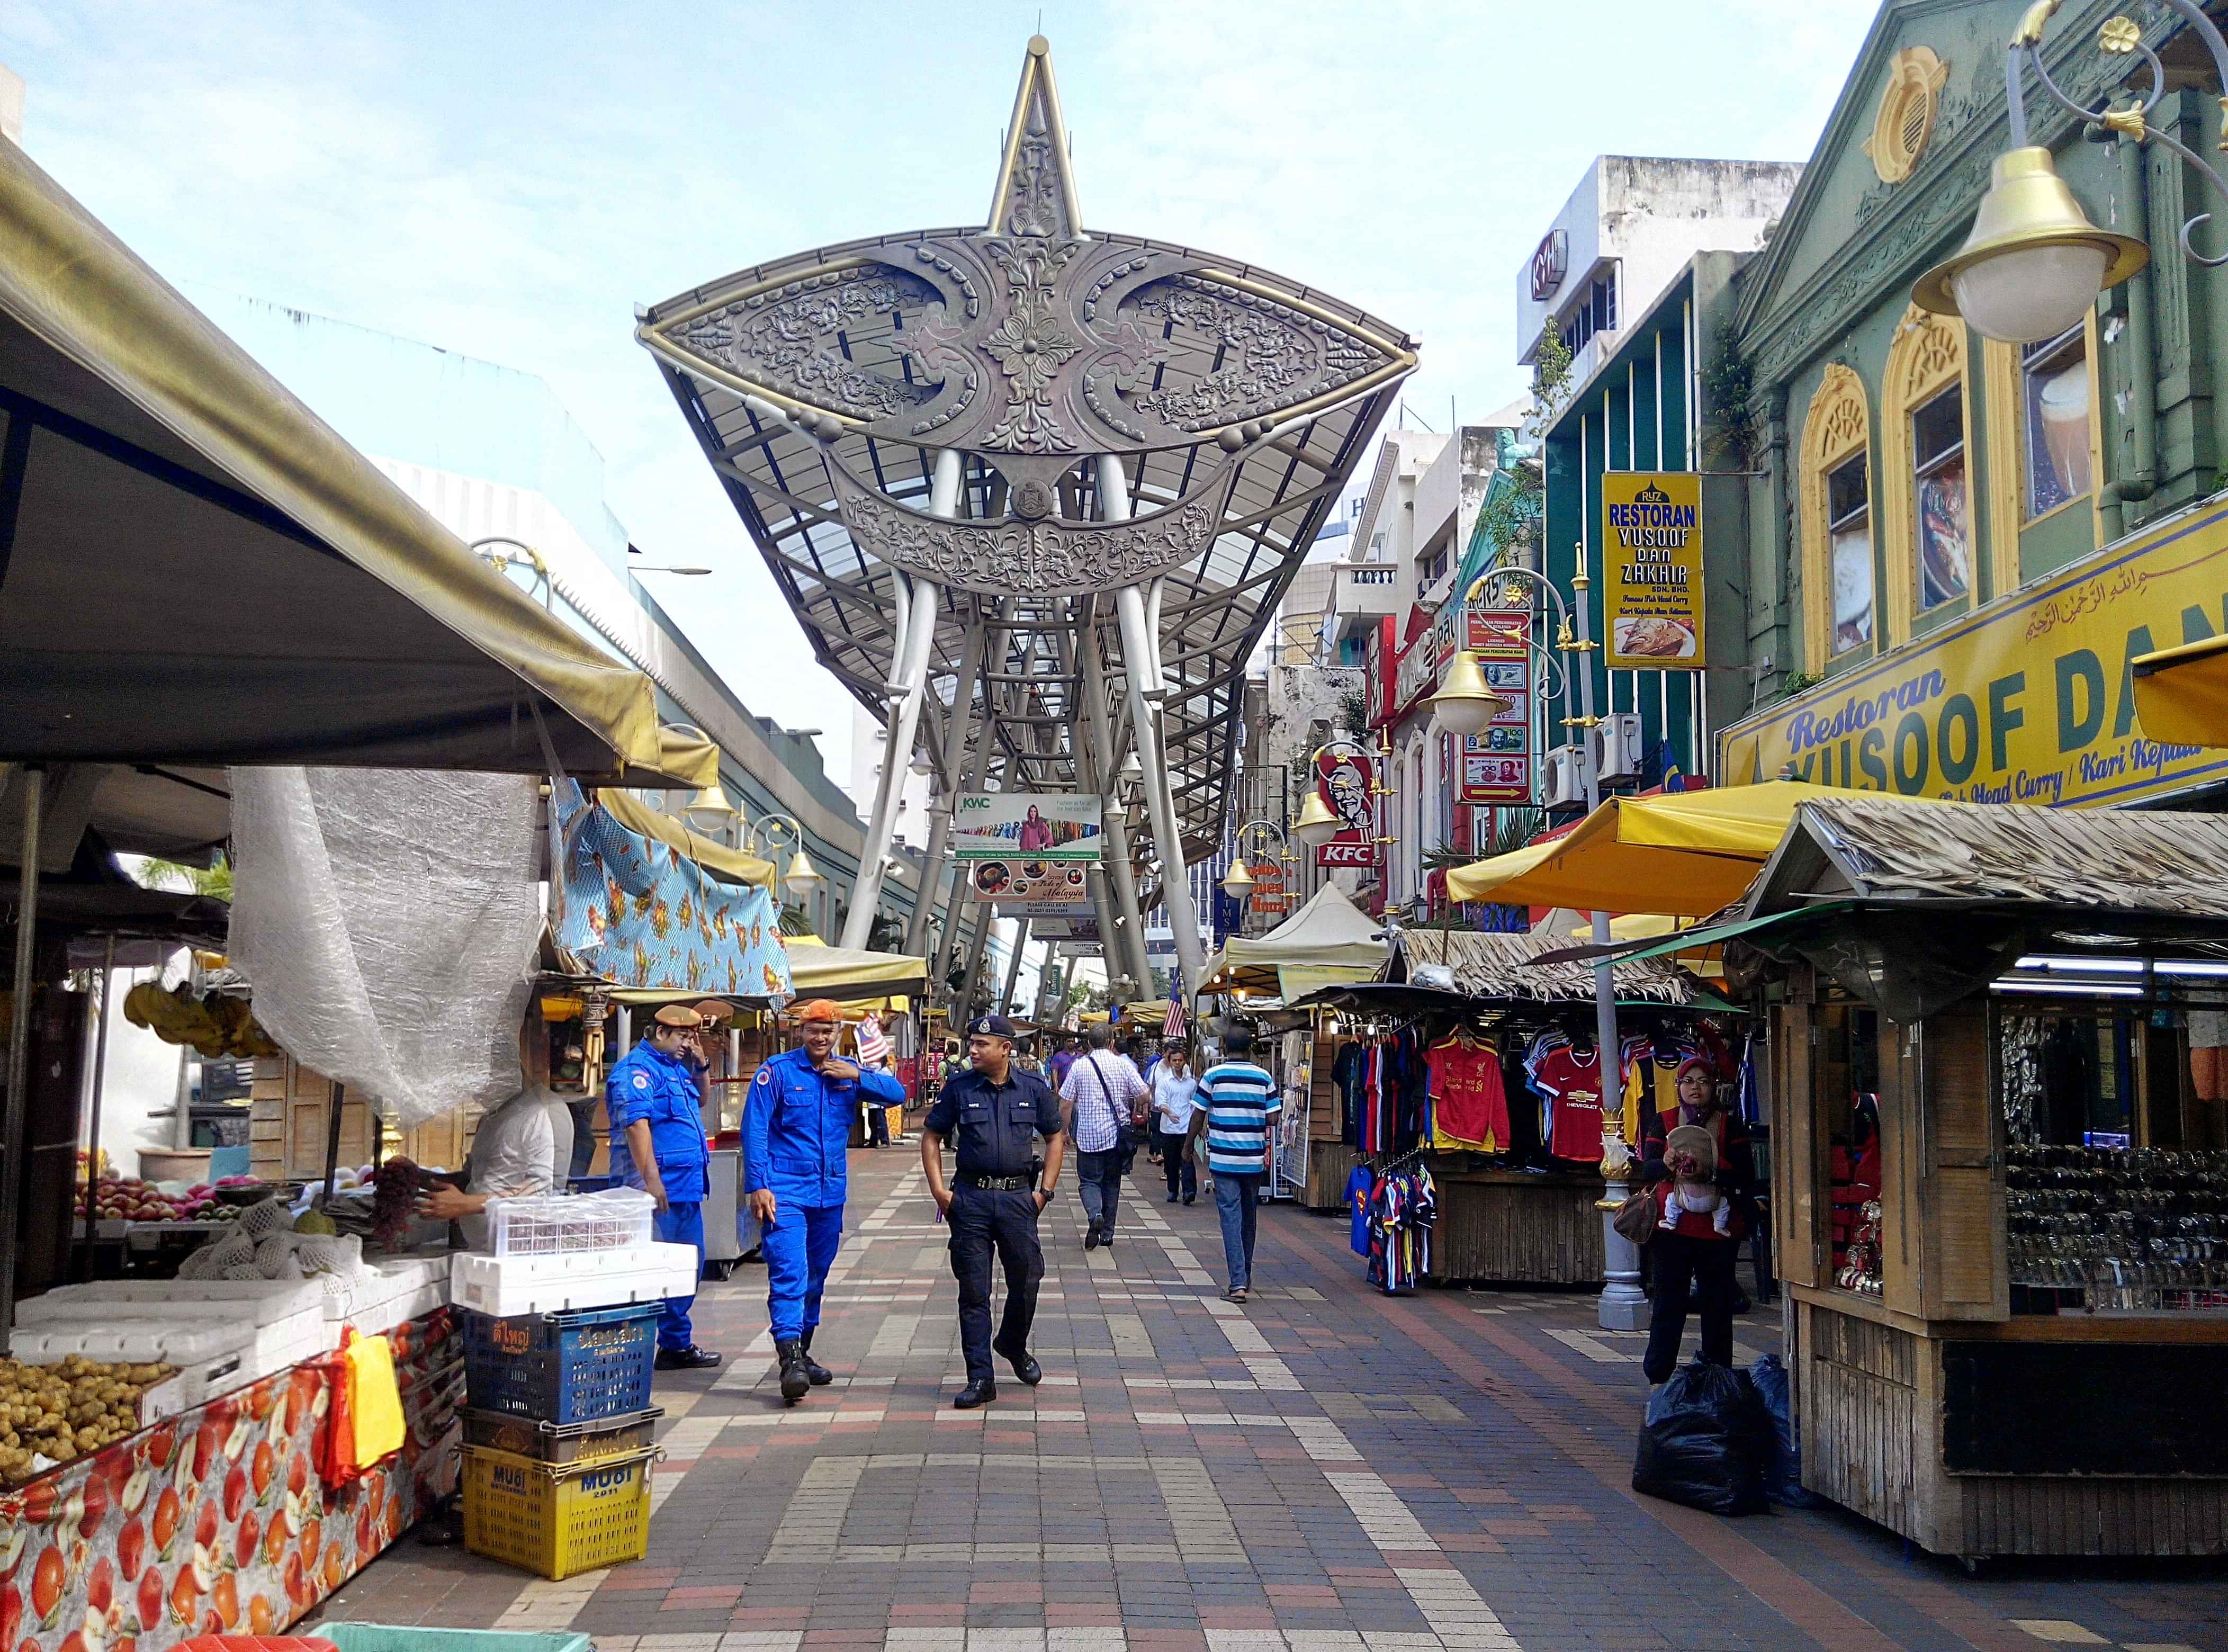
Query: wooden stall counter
[(1515, 1228)]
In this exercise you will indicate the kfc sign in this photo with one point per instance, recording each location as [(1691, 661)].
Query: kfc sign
[(1346, 781)]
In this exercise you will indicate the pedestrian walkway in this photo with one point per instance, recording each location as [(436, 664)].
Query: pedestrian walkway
[(1321, 1469)]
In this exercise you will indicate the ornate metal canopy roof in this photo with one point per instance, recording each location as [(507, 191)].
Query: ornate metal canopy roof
[(824, 387)]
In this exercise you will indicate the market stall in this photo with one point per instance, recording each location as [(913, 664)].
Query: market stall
[(2000, 1157), (1467, 1087), (149, 460)]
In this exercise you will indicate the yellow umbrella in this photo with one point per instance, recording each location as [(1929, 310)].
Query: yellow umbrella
[(1682, 855), (2181, 693)]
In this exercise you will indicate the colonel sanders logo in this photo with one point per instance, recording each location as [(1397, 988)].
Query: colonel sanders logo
[(1346, 789)]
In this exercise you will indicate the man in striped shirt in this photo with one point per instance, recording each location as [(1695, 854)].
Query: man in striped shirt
[(1238, 1110)]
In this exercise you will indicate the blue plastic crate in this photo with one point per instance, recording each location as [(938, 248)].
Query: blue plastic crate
[(562, 1367)]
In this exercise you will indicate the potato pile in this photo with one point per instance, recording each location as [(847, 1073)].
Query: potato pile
[(68, 1408)]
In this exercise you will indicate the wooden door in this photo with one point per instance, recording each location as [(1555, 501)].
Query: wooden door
[(1948, 1190), (1799, 1240)]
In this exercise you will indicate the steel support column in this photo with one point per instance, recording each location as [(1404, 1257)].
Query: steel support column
[(955, 753), (14, 1152), (1005, 1004), (1141, 655), (1135, 961), (908, 680)]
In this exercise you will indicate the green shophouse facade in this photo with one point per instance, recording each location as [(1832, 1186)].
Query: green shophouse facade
[(1954, 546)]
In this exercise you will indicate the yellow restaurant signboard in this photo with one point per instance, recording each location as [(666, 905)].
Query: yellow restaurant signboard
[(1652, 570), (2028, 701)]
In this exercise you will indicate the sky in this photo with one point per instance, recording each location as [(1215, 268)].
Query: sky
[(509, 179)]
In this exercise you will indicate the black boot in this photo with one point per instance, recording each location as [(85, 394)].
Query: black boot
[(794, 1382), (818, 1375)]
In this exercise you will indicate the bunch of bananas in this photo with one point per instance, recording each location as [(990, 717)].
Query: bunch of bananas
[(214, 1024)]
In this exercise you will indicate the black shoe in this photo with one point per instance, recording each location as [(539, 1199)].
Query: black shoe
[(816, 1374), (1172, 1199), (974, 1394), (1091, 1241), (1025, 1369), (794, 1379), (691, 1358), (1191, 1198)]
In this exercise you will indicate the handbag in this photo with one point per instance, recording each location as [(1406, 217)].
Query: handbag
[(1635, 1217)]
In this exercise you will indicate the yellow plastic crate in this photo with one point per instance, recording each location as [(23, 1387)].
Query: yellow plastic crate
[(557, 1518)]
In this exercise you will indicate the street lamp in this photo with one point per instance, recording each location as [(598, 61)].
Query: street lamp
[(665, 567), (803, 880), (517, 553), (1237, 882), (1317, 825), (2033, 264)]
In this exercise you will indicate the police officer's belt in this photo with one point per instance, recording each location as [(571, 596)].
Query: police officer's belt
[(998, 1184)]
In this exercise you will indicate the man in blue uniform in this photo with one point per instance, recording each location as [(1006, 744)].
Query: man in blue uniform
[(996, 1112), (796, 1128), (657, 1144)]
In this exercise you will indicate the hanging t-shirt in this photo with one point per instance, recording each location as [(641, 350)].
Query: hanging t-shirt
[(1652, 1084), (1469, 1107), (1572, 1085), (1359, 1186)]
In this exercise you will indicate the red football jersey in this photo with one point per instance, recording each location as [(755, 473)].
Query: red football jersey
[(1573, 1084), (1469, 1104)]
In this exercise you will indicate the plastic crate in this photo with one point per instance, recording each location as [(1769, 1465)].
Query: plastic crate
[(507, 1286), (562, 1367), (562, 1442), (394, 1637), (557, 1518), (555, 1224)]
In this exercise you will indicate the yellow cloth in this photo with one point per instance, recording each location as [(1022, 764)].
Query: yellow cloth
[(375, 1399)]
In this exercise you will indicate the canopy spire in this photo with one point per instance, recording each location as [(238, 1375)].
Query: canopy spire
[(1035, 193)]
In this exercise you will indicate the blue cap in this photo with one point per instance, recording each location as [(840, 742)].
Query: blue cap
[(992, 1026)]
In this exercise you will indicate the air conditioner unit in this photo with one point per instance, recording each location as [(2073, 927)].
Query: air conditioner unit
[(1616, 748), (1563, 779)]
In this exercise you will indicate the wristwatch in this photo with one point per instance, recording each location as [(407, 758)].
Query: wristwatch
[(1050, 1193)]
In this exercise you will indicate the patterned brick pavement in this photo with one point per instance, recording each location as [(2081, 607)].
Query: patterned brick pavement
[(1321, 1469)]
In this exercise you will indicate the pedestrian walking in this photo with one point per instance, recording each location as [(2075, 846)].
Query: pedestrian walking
[(1065, 1056), (1705, 1145), (874, 1056), (657, 1145), (1175, 1098), (1239, 1109), (1100, 1095), (797, 1137), (995, 1112)]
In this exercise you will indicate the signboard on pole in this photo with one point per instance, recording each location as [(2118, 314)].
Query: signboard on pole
[(1346, 781), (1035, 825), (1269, 897), (1652, 570), (1030, 888), (1495, 763)]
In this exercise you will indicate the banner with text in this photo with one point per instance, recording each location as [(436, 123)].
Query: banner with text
[(1049, 826), (1495, 765), (2029, 700), (1652, 570)]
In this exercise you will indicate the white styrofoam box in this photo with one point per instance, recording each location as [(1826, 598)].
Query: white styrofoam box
[(375, 1319), (281, 1296), (286, 1331), (503, 1285), (211, 1357)]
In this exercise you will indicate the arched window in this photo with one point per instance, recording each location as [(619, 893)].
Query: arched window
[(2045, 450), (1926, 485), (1837, 520)]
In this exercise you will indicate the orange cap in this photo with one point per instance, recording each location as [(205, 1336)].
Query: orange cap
[(819, 1009), (679, 1016)]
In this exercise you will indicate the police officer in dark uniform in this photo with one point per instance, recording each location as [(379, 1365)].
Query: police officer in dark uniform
[(995, 1111)]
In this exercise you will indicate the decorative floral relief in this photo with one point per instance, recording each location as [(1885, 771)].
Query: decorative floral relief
[(1278, 357), (787, 340)]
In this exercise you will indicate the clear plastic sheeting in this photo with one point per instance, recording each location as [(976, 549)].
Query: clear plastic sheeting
[(387, 919)]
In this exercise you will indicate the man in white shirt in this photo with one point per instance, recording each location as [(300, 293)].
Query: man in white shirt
[(1175, 1098), (1099, 1093), (521, 1147)]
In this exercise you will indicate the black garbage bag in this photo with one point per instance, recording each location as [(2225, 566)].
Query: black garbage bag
[(1706, 1442), (1783, 1482)]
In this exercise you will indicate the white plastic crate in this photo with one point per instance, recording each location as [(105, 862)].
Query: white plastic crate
[(392, 1290), (616, 1219), (505, 1285), (211, 1358)]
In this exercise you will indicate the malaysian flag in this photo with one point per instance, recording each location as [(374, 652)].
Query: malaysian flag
[(1175, 1026), (874, 1044)]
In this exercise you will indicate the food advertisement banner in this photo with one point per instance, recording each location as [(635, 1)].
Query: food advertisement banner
[(1048, 826), (1347, 783), (1495, 765), (1031, 887), (2029, 700), (1652, 570)]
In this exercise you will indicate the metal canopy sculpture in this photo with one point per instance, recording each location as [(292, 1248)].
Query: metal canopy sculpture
[(948, 443)]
